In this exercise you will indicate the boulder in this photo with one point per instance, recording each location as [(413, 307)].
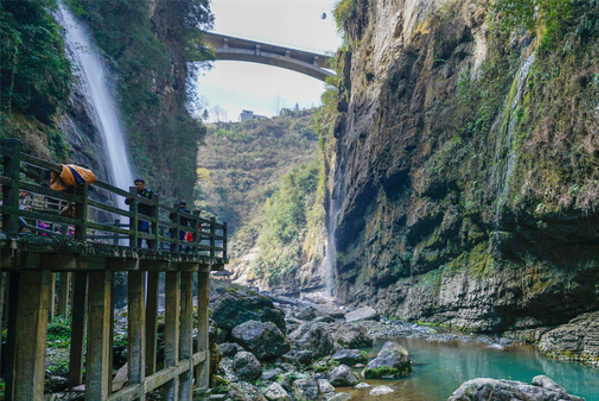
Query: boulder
[(343, 376), (542, 389), (263, 339), (393, 361), (244, 392), (350, 357), (353, 336), (290, 377), (365, 313), (325, 387), (314, 337), (381, 390), (275, 392), (272, 374), (246, 366), (305, 390), (339, 397), (229, 349), (306, 313), (235, 307)]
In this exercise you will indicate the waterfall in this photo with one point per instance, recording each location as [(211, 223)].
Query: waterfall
[(335, 202), (507, 120), (100, 96)]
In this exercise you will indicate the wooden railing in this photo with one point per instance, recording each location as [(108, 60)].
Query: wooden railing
[(39, 248), (98, 211)]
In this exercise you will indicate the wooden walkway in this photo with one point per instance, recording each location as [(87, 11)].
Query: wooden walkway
[(67, 265)]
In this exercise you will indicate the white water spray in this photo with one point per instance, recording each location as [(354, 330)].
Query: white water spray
[(101, 98)]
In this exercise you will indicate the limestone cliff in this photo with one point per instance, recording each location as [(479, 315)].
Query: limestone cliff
[(462, 164)]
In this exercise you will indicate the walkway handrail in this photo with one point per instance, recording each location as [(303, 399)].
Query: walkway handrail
[(95, 216)]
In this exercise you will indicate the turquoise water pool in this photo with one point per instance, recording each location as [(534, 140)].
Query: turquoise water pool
[(439, 368)]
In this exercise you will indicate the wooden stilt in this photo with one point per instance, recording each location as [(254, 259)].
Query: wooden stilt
[(203, 371), (2, 283), (136, 341), (64, 287), (11, 328), (186, 333), (98, 369), (31, 326), (151, 322), (171, 332), (78, 310), (52, 306)]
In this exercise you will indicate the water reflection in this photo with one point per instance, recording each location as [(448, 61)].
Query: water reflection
[(440, 368)]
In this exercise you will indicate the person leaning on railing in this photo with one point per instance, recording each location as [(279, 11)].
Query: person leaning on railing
[(143, 209)]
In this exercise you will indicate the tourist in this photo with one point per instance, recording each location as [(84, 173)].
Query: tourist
[(143, 209)]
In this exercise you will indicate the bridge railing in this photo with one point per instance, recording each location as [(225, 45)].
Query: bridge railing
[(97, 213)]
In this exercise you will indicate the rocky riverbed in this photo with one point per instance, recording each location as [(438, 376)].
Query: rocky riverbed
[(273, 348)]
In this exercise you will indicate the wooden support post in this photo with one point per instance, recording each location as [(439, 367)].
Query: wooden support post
[(98, 370), (11, 323), (224, 241), (78, 310), (52, 305), (203, 371), (212, 240), (31, 328), (171, 332), (115, 238), (151, 322), (133, 221), (81, 214), (2, 283), (196, 234), (186, 333), (155, 223), (64, 287), (136, 313), (10, 192)]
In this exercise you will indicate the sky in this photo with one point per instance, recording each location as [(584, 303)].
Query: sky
[(233, 86)]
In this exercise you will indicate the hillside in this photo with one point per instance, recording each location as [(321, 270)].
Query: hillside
[(261, 177)]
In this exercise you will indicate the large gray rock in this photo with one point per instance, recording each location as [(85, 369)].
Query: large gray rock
[(314, 337), (577, 340), (381, 390), (364, 313), (246, 366), (542, 389), (343, 376), (392, 361), (305, 390), (350, 357), (275, 392), (353, 336), (229, 349), (234, 307), (263, 339)]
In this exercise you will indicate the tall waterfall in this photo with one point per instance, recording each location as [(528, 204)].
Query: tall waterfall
[(100, 97)]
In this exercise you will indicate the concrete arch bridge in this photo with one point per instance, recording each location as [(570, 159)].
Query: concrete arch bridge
[(230, 48)]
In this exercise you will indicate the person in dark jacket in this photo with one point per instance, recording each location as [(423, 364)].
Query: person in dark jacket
[(143, 209)]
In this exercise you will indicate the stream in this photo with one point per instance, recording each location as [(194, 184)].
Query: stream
[(439, 368)]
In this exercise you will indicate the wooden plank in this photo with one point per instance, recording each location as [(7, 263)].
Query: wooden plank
[(111, 229), (152, 322), (136, 318), (47, 217), (2, 303), (186, 334), (98, 369), (30, 344), (81, 215), (37, 162), (171, 332), (203, 370), (108, 208), (38, 189)]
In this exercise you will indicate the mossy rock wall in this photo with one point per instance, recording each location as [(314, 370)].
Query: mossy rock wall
[(465, 161)]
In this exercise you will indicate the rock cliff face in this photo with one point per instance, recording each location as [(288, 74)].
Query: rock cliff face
[(462, 166)]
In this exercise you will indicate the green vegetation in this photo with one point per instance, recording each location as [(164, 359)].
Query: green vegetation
[(149, 53), (35, 75)]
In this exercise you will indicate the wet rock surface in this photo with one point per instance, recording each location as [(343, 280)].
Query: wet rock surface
[(393, 361), (264, 340), (235, 307), (541, 389)]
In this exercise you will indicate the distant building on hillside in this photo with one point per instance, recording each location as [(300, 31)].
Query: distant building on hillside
[(249, 115)]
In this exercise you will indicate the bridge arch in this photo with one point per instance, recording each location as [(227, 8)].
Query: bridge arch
[(230, 48)]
